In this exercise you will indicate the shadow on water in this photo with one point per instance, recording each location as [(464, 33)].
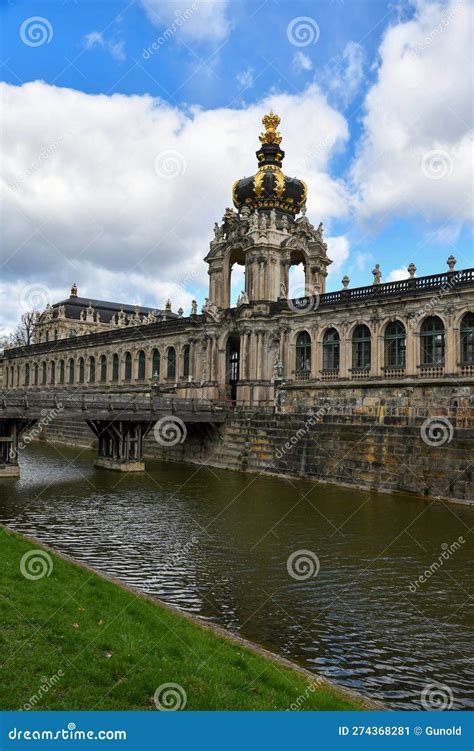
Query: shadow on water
[(216, 543)]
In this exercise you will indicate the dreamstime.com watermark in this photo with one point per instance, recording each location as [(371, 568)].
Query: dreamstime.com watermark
[(169, 164), (170, 697), (170, 430), (47, 416), (46, 685), (430, 38), (179, 20), (447, 552), (303, 564), (71, 733), (437, 696), (42, 157), (36, 564), (436, 431), (296, 705), (175, 558), (302, 31), (36, 31), (302, 432)]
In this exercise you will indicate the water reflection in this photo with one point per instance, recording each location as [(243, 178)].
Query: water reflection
[(216, 543)]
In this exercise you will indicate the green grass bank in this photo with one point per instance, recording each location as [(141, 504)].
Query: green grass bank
[(73, 640)]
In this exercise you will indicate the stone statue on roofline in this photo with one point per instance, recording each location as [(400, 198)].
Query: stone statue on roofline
[(377, 274)]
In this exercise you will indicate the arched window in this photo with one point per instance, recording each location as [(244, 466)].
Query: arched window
[(171, 366), (395, 345), (11, 376), (103, 369), (303, 352), (186, 352), (52, 373), (47, 337), (128, 366), (141, 366), (432, 341), (71, 371), (467, 338), (156, 363), (81, 370), (331, 349), (43, 374), (61, 371), (115, 367), (92, 370), (27, 374), (55, 335), (7, 377), (361, 347), (36, 375)]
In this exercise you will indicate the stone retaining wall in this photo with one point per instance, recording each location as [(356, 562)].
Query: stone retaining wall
[(421, 441)]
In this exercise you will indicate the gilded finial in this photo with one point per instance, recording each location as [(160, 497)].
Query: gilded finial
[(271, 123), (74, 290)]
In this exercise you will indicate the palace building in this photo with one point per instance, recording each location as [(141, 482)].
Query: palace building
[(270, 347)]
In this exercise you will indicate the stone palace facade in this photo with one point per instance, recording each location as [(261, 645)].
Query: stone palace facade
[(270, 346)]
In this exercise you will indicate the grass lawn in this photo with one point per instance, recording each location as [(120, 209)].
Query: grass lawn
[(72, 641)]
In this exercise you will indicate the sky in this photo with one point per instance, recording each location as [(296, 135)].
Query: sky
[(125, 124)]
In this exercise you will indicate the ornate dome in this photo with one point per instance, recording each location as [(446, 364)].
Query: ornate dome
[(269, 188)]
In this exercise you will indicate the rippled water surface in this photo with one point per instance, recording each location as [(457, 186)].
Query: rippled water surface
[(217, 543)]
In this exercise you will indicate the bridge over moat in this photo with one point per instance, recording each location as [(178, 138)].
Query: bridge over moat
[(119, 421)]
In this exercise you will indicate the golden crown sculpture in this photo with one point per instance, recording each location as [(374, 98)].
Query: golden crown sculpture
[(271, 123)]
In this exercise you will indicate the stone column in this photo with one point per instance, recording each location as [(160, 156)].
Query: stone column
[(253, 356), (214, 358), (451, 356), (316, 364), (258, 363), (412, 350), (377, 346), (344, 353)]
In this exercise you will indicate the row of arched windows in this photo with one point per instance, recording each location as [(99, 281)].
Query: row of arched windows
[(432, 345), (91, 370)]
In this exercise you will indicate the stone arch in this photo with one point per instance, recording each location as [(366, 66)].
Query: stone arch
[(361, 342), (466, 338), (71, 370), (127, 366), (296, 277), (394, 336), (331, 345), (103, 368), (141, 365), (432, 334), (171, 363), (91, 375), (303, 343), (232, 282)]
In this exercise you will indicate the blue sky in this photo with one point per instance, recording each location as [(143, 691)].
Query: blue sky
[(358, 73)]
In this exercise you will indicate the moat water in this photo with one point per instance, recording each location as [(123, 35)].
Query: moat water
[(217, 544)]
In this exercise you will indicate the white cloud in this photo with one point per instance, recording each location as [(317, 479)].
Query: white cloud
[(416, 151), (346, 73), (245, 78), (338, 252), (397, 275), (362, 260), (200, 20), (301, 62), (96, 39), (84, 203)]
